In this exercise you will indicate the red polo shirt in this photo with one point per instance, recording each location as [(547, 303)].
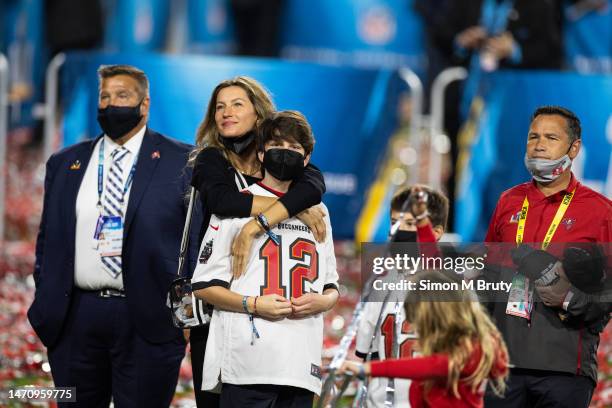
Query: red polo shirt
[(587, 219)]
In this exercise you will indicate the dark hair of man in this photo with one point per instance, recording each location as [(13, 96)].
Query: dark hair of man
[(571, 120), (290, 126), (437, 203), (109, 71)]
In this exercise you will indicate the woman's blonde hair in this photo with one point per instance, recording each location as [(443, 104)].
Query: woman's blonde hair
[(208, 135), (454, 323)]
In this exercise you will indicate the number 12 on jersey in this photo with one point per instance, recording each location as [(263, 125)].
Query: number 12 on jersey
[(387, 329), (300, 250)]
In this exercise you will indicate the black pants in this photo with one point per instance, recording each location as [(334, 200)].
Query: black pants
[(101, 354), (265, 396), (543, 389), (197, 340)]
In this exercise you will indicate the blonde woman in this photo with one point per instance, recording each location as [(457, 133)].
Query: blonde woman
[(460, 348), (225, 163)]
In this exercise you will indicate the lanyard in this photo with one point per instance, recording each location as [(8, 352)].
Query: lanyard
[(101, 176), (520, 231)]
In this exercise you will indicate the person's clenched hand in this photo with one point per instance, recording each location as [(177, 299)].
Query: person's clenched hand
[(554, 295), (501, 45), (471, 38), (309, 304), (273, 307), (314, 218)]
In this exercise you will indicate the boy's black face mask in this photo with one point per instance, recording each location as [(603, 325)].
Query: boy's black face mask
[(283, 164), (405, 236)]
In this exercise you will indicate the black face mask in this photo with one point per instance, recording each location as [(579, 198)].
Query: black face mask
[(238, 144), (405, 236), (117, 121), (283, 164)]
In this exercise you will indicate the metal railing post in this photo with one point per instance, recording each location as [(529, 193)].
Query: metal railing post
[(438, 89), (416, 92), (4, 84), (51, 86)]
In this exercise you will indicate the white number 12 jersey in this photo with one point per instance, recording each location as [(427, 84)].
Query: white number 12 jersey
[(288, 351), (383, 345)]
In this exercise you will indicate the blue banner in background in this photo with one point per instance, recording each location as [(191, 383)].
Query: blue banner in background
[(136, 25), (498, 131), (352, 111), (370, 33), (22, 42), (588, 38), (210, 27)]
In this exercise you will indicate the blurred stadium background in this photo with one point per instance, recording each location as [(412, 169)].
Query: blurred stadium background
[(388, 102)]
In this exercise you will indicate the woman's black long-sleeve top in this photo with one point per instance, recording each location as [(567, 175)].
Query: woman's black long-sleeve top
[(214, 178)]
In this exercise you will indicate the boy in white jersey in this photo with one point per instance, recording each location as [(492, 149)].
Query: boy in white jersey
[(423, 222), (266, 332)]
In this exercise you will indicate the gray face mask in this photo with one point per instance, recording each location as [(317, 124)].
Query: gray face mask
[(544, 170)]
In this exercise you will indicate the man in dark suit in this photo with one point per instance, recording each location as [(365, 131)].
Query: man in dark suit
[(107, 249), (516, 33)]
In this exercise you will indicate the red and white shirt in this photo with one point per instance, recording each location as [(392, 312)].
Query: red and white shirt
[(382, 341)]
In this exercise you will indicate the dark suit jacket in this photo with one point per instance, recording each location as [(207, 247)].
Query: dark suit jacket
[(154, 222), (534, 24)]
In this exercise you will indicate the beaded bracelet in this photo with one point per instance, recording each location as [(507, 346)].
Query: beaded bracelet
[(263, 222), (254, 332)]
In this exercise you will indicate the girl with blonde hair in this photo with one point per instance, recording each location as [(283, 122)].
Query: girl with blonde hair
[(224, 163), (460, 349)]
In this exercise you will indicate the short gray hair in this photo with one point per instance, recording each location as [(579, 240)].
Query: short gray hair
[(109, 71)]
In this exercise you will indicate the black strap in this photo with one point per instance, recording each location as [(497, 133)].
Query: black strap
[(193, 193)]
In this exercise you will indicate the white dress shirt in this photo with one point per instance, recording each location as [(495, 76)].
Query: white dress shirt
[(88, 272)]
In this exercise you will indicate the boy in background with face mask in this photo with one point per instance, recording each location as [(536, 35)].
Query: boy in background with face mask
[(554, 361), (266, 332), (421, 214)]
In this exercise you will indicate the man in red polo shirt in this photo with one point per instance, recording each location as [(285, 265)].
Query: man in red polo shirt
[(552, 339)]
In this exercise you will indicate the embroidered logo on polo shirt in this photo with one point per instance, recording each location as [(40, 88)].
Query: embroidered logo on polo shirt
[(568, 223), (515, 218)]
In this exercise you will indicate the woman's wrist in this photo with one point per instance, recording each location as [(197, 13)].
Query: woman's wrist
[(253, 227)]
